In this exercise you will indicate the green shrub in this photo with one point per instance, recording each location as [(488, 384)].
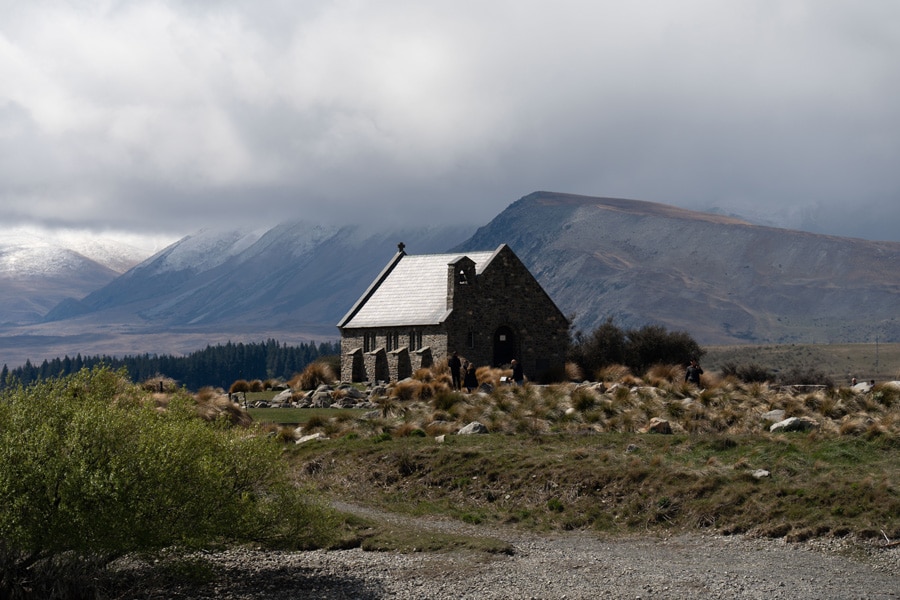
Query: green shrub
[(91, 470)]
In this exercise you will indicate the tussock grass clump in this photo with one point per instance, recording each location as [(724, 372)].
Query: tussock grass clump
[(314, 375), (612, 373), (241, 386), (220, 408), (583, 399), (161, 384), (574, 372), (410, 389), (659, 374)]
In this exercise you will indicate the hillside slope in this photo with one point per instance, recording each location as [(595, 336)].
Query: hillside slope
[(721, 279)]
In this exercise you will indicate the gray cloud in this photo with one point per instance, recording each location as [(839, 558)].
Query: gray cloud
[(167, 116)]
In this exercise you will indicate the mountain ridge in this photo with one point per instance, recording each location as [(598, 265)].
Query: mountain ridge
[(722, 279)]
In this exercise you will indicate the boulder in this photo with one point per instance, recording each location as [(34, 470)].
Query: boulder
[(322, 399), (657, 425), (794, 424), (473, 427), (760, 473), (283, 397), (311, 437), (774, 415)]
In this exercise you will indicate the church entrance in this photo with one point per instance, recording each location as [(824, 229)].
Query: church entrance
[(504, 346)]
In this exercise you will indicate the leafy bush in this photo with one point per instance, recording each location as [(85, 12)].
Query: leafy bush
[(798, 376), (91, 470), (638, 349), (746, 373)]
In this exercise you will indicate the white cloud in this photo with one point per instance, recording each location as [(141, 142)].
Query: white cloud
[(172, 113)]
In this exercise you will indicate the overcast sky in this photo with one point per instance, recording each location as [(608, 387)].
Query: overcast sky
[(167, 116)]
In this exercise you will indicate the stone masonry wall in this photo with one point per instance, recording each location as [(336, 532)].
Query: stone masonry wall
[(507, 295), (353, 342)]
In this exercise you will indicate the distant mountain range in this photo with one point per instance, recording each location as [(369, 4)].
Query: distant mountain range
[(37, 271), (721, 279)]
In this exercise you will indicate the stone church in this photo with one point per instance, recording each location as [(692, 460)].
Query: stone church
[(486, 306)]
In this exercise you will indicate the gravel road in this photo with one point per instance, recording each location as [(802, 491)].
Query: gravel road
[(570, 566)]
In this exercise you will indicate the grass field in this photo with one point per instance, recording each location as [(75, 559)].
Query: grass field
[(624, 483), (841, 362), (300, 416), (574, 457)]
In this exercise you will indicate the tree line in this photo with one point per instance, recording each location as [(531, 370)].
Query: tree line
[(216, 366)]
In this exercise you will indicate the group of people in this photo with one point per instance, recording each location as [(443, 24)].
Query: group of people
[(463, 373)]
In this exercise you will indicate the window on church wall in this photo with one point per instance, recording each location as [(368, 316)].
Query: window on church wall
[(415, 339), (470, 339), (393, 341), (369, 342)]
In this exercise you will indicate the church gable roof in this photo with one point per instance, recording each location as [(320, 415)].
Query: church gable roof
[(412, 290)]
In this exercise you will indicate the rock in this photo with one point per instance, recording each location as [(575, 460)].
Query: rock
[(313, 436), (473, 427), (774, 415), (657, 425), (282, 397), (760, 473), (794, 424), (322, 399), (345, 402), (440, 439), (352, 392)]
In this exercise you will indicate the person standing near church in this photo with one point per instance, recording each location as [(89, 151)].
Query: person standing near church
[(455, 366), (518, 376), (693, 373), (471, 379)]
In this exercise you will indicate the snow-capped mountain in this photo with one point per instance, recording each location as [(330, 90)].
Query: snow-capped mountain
[(40, 268)]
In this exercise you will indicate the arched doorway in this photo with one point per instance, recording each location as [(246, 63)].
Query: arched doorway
[(504, 346)]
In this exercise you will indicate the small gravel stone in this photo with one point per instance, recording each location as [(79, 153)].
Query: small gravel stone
[(571, 566)]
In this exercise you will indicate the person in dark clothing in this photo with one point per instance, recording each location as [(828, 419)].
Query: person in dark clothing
[(518, 376), (471, 381), (693, 373), (455, 366)]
